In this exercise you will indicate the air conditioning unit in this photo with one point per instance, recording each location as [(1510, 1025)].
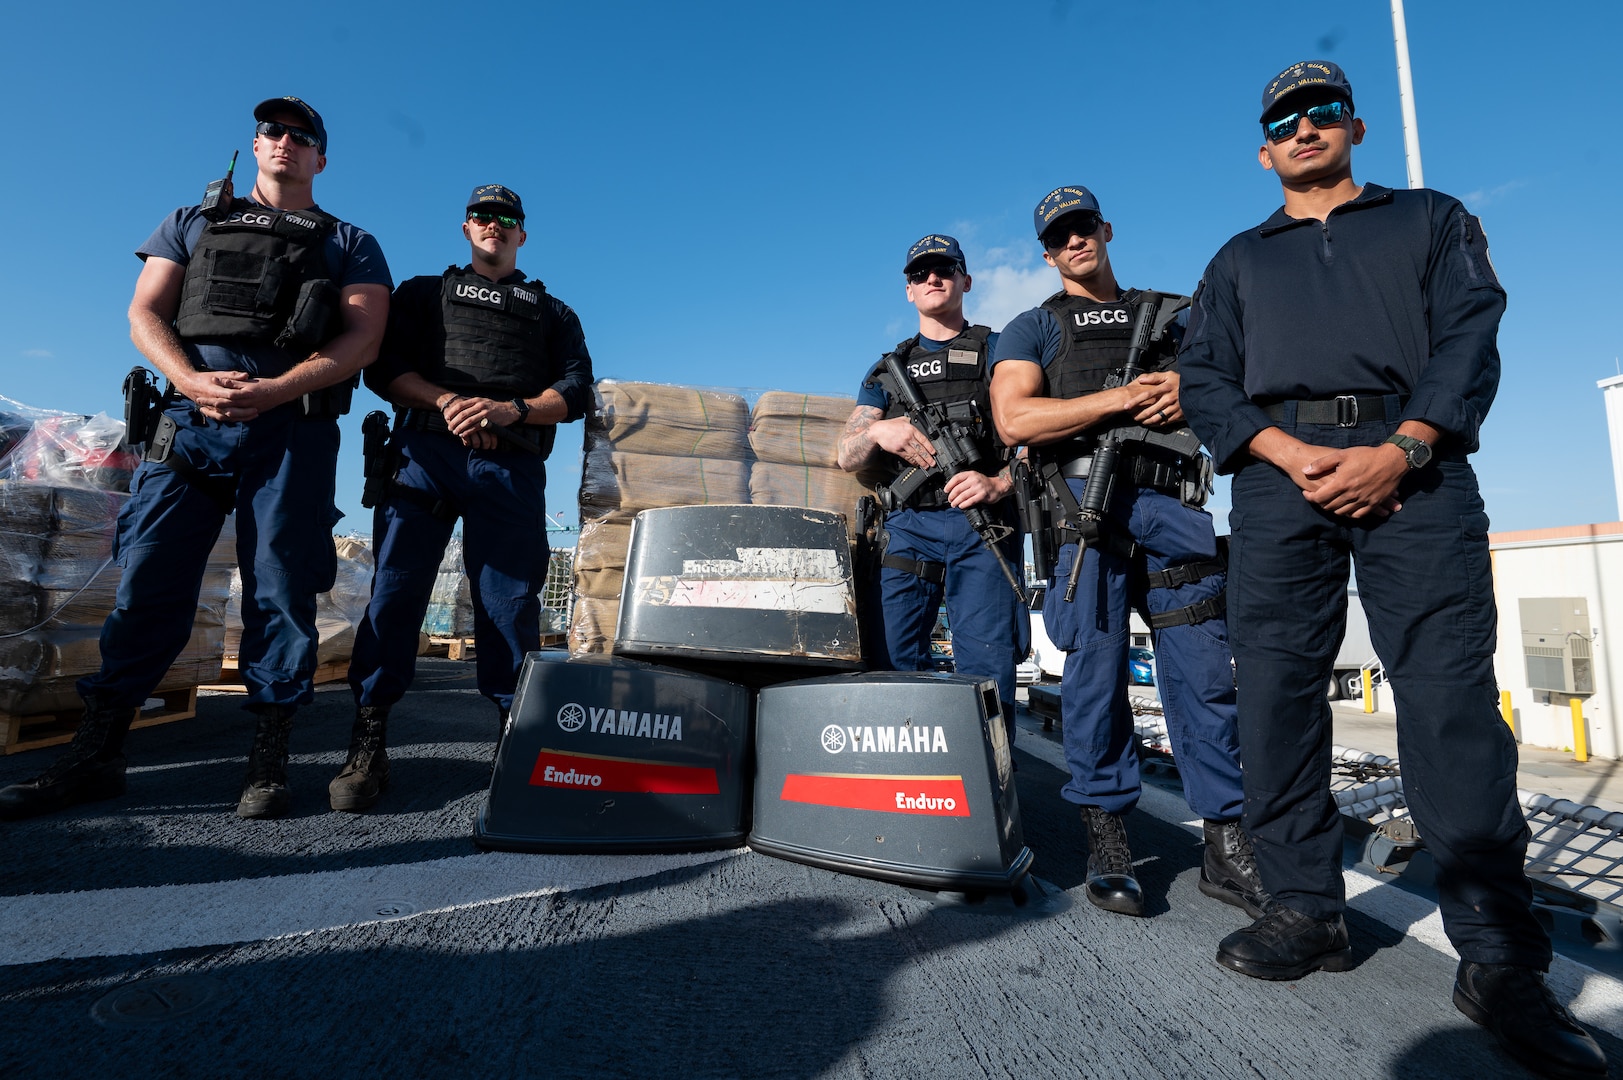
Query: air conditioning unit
[(1556, 637)]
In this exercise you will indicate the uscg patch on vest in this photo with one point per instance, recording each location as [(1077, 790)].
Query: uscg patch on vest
[(1084, 320), (469, 292)]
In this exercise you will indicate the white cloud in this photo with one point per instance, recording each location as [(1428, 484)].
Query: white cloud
[(39, 354), (1004, 289), (1483, 196)]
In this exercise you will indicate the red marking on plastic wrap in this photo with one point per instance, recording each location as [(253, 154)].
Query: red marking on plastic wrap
[(593, 772), (936, 796)]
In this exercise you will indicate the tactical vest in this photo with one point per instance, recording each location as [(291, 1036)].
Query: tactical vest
[(1095, 339), (495, 337), (257, 274), (957, 372)]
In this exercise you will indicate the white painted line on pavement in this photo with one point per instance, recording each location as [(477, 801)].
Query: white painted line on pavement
[(1593, 997), (121, 922)]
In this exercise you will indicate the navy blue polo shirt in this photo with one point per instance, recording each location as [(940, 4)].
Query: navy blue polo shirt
[(353, 258), (1393, 293)]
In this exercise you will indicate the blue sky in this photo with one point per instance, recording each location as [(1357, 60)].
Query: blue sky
[(725, 192)]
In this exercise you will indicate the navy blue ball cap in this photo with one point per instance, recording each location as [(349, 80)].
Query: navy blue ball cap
[(496, 197), (271, 106), (935, 246), (1061, 201), (1306, 75)]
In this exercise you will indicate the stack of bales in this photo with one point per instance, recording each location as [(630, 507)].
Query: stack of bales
[(57, 587), (651, 445), (647, 445)]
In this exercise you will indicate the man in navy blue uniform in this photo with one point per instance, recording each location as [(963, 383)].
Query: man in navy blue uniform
[(481, 365), (261, 318), (1154, 549), (1340, 361), (931, 552)]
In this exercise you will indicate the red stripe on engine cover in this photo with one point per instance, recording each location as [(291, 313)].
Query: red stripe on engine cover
[(937, 796), (588, 772)]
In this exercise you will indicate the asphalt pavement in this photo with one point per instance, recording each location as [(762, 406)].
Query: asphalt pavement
[(157, 935)]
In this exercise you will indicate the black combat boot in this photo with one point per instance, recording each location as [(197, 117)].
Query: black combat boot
[(366, 773), (1533, 1027), (1229, 870), (1285, 944), (92, 769), (264, 792), (1111, 884)]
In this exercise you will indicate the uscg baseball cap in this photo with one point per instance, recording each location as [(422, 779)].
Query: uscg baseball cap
[(1307, 75), (1061, 201), (935, 246), (271, 106), (496, 197)]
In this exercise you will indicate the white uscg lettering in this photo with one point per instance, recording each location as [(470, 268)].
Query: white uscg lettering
[(251, 217), (904, 801), (526, 295), (900, 739), (630, 722), (1097, 318), (571, 777), (484, 294), (925, 368)]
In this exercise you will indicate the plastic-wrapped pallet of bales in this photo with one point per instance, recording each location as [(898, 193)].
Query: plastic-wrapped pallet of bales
[(62, 485), (450, 605), (650, 445)]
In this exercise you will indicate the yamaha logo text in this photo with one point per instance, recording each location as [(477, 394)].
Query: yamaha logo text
[(897, 739), (628, 722)]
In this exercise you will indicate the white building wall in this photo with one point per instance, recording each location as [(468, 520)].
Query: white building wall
[(1550, 563)]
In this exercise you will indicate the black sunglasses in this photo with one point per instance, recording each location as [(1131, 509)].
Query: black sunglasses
[(485, 218), (940, 270), (273, 131), (1329, 114), (1083, 224)]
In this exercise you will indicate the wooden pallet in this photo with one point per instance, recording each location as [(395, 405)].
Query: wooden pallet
[(231, 678), (54, 728), (457, 648)]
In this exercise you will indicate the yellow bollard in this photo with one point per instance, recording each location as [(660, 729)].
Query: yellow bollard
[(1369, 690), (1506, 711), (1580, 736)]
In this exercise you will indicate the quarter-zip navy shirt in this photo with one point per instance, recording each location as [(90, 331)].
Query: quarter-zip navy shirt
[(1392, 293)]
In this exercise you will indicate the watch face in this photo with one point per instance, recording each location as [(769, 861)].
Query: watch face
[(1420, 456)]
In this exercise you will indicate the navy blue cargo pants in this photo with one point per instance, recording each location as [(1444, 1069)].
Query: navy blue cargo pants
[(991, 630), (1192, 664), (280, 468), (1427, 587), (500, 496)]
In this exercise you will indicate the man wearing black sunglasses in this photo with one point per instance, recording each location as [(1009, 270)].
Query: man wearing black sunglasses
[(260, 311), (482, 365), (1054, 390), (931, 553), (1340, 362)]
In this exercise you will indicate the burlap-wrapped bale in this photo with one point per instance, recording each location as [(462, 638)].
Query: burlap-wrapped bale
[(675, 421), (591, 627), (795, 485), (799, 429), (602, 544), (615, 486), (601, 584)]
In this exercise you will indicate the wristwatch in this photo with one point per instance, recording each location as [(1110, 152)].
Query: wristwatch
[(1415, 451), (523, 408)]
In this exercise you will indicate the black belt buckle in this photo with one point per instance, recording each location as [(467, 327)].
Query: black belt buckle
[(1347, 411)]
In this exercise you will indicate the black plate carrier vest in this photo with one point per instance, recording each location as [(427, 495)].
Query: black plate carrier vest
[(247, 273), (495, 340), (958, 371)]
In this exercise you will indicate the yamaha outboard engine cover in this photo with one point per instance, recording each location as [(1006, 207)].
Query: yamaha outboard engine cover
[(606, 754), (902, 776), (745, 585)]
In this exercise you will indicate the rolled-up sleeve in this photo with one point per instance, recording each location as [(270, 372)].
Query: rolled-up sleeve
[(1464, 302), (1212, 369)]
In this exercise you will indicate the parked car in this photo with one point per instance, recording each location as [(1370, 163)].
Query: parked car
[(1141, 667)]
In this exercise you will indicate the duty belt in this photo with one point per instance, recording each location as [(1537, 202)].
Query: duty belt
[(1348, 410), (1144, 472), (433, 421)]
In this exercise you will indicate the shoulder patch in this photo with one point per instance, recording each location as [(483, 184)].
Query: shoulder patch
[(1478, 263)]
